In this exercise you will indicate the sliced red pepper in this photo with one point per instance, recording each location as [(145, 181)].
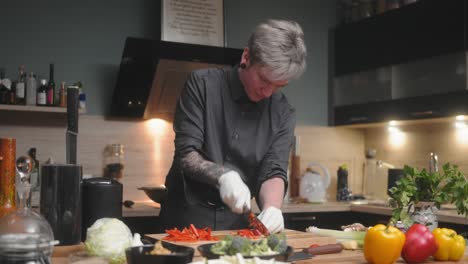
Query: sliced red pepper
[(194, 231), (190, 234)]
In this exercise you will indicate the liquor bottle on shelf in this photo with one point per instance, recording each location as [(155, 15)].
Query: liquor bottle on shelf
[(31, 89), (42, 93), (62, 95), (4, 91), (20, 88), (50, 101)]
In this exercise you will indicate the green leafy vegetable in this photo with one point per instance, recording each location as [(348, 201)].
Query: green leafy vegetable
[(448, 186), (108, 237)]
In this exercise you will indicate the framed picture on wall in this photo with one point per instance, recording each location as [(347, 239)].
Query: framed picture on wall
[(194, 21)]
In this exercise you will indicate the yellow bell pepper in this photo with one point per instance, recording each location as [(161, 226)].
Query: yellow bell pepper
[(383, 244), (451, 245)]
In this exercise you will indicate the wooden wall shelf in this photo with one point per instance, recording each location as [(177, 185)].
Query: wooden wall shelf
[(33, 108)]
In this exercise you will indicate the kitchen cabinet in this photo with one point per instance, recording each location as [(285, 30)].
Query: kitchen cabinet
[(143, 224), (424, 29), (334, 220), (331, 220), (408, 63)]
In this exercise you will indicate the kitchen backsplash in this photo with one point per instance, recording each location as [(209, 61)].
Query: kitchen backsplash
[(149, 147), (417, 141)]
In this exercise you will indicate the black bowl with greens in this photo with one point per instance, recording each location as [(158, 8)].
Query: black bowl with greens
[(272, 247)]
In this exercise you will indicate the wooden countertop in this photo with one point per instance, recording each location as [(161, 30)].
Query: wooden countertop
[(296, 239), (449, 215)]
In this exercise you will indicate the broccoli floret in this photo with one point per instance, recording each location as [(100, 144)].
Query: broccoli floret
[(277, 242), (222, 246), (240, 245)]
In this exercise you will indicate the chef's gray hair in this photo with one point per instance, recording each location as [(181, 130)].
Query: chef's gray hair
[(279, 46)]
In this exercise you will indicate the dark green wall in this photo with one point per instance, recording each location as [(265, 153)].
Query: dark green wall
[(85, 41)]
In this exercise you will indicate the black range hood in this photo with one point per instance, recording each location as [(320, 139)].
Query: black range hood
[(152, 74)]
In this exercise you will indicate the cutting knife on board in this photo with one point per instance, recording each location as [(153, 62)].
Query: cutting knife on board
[(311, 251)]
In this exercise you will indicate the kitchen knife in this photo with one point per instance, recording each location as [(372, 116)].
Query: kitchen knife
[(309, 252), (254, 222)]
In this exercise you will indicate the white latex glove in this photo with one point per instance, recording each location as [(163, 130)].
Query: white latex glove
[(272, 218), (234, 192)]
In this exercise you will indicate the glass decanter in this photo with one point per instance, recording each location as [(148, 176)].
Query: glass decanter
[(25, 236)]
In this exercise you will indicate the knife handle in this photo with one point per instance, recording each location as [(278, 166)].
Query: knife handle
[(325, 249)]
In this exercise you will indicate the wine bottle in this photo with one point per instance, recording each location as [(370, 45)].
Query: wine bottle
[(51, 87), (42, 93), (62, 95), (20, 89), (31, 89)]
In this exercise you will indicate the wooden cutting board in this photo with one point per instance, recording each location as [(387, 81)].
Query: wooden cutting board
[(296, 239)]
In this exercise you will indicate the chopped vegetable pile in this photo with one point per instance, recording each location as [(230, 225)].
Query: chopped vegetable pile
[(249, 233), (159, 249), (230, 245), (190, 234)]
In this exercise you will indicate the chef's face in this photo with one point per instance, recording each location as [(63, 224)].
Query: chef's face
[(257, 80)]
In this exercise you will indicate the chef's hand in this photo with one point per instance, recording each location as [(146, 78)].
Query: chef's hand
[(234, 192), (272, 218)]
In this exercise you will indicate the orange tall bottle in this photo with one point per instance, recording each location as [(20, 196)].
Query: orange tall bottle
[(7, 175)]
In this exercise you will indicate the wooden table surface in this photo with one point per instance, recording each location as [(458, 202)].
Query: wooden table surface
[(296, 239)]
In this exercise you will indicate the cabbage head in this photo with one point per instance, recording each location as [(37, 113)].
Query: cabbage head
[(108, 237)]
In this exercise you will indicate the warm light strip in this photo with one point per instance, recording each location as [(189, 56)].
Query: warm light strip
[(396, 137)]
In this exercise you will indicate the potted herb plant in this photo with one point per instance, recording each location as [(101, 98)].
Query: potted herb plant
[(417, 194)]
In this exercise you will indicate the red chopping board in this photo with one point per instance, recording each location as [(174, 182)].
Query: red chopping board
[(296, 239)]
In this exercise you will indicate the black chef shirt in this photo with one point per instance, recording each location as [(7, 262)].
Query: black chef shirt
[(215, 117)]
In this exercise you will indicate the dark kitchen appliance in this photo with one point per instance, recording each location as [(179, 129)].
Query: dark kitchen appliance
[(393, 176), (153, 72), (60, 201), (102, 197)]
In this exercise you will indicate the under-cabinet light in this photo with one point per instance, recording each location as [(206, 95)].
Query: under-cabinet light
[(396, 137)]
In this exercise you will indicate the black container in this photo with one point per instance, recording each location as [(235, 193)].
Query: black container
[(205, 251), (342, 191), (140, 255), (102, 197), (60, 201), (393, 176)]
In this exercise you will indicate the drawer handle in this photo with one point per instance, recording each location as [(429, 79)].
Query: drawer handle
[(303, 218), (422, 113), (357, 119)]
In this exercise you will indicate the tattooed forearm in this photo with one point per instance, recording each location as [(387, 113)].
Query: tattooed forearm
[(202, 169)]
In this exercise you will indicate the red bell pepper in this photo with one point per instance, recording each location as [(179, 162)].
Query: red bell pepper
[(190, 234), (249, 233), (419, 245)]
